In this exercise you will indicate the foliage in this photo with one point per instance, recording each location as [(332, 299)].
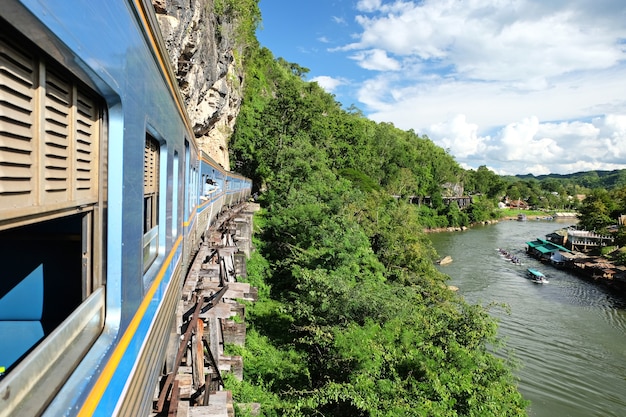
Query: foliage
[(620, 236), (455, 216), (485, 182), (589, 179), (562, 192), (353, 318), (619, 256), (482, 210), (246, 16), (359, 179), (597, 211)]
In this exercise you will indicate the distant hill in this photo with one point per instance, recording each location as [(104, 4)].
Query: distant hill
[(590, 179)]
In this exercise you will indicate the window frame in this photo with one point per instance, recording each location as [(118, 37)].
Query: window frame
[(151, 200)]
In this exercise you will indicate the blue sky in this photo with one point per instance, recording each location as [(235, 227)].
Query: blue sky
[(521, 86)]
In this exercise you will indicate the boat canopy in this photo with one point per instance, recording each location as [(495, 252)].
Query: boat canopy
[(545, 246)]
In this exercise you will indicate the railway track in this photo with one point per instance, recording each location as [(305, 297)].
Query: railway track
[(209, 316)]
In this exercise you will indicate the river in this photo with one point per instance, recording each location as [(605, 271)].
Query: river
[(569, 335)]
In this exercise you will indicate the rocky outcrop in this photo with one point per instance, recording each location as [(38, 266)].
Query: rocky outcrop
[(202, 46)]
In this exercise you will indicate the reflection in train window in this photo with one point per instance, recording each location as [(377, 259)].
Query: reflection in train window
[(44, 287)]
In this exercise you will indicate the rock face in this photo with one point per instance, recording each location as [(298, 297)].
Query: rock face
[(201, 46)]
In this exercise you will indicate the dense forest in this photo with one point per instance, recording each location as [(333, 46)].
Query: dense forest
[(353, 318), (589, 179)]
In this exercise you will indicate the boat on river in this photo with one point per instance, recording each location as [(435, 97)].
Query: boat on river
[(537, 276), (509, 256)]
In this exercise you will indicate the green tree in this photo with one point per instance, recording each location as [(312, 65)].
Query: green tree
[(455, 216), (596, 209), (403, 183), (514, 193), (485, 182)]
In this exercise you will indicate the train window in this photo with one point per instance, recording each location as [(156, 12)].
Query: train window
[(189, 182), (51, 206), (177, 188), (150, 201), (48, 147)]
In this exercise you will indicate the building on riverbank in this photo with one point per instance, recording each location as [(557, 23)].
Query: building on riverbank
[(580, 240), (591, 267), (584, 240)]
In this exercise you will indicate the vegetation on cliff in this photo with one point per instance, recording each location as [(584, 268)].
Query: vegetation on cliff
[(353, 319), (245, 17)]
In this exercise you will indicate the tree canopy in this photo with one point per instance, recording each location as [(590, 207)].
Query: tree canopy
[(353, 318)]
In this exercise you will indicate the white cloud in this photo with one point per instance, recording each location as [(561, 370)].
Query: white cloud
[(612, 130), (515, 84), (434, 99), (328, 83), (376, 59), (368, 5), (491, 39), (520, 141), (460, 137), (529, 146)]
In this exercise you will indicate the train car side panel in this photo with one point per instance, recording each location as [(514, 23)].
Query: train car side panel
[(107, 191)]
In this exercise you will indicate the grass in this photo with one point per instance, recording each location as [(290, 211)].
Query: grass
[(508, 212)]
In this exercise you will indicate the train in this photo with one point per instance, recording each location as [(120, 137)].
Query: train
[(105, 197)]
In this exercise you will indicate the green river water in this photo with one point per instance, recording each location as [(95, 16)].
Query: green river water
[(569, 335)]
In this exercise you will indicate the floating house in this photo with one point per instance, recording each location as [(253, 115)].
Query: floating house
[(547, 251)]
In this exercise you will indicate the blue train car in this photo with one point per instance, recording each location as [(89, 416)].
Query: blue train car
[(102, 205)]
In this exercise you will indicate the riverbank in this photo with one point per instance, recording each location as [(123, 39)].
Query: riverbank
[(557, 251), (528, 217), (458, 228), (543, 217), (597, 269)]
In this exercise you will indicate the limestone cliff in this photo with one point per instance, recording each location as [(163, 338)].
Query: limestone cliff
[(202, 51)]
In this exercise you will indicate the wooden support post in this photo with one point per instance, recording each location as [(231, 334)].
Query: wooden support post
[(181, 351), (172, 410), (207, 389), (197, 355), (213, 363)]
